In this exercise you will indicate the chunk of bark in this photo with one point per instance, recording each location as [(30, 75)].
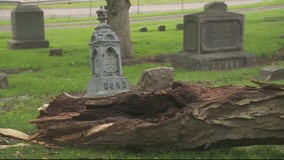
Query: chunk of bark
[(184, 117)]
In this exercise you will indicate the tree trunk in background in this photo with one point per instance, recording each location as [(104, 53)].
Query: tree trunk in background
[(118, 19), (184, 117)]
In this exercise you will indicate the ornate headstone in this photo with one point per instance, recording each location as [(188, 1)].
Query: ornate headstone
[(106, 68), (213, 40), (27, 28)]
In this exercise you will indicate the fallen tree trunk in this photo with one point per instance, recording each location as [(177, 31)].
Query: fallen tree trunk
[(184, 117)]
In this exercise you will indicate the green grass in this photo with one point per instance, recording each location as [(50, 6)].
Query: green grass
[(39, 152), (42, 78)]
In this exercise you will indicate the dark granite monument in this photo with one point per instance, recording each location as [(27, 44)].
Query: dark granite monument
[(213, 40), (106, 67), (27, 28)]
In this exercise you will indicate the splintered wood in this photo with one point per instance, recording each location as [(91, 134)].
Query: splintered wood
[(186, 116)]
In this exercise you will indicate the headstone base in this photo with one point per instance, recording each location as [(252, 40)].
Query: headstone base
[(15, 44), (106, 86), (213, 61)]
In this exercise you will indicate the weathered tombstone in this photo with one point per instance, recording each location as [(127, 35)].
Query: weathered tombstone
[(161, 28), (27, 28), (3, 80), (106, 67), (143, 29), (156, 78), (180, 26), (56, 52), (213, 40), (271, 73)]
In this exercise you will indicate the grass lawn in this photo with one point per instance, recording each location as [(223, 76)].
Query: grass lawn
[(42, 77)]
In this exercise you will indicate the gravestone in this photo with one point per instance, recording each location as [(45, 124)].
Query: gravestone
[(106, 68), (3, 80), (156, 78), (179, 26), (161, 28), (143, 29), (56, 52), (27, 28), (213, 40), (271, 73)]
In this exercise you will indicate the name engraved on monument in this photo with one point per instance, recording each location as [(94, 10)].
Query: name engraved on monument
[(226, 64), (111, 84), (222, 35)]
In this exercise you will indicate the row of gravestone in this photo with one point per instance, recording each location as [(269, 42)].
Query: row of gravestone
[(162, 28), (213, 40)]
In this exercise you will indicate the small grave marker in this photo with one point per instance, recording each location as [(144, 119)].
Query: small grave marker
[(180, 26), (271, 73), (161, 28), (143, 29), (56, 52)]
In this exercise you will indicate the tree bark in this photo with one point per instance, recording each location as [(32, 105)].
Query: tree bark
[(118, 18), (184, 117)]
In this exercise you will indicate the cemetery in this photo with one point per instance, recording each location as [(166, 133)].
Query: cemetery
[(204, 84)]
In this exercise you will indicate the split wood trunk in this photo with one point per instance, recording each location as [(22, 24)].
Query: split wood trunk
[(184, 117)]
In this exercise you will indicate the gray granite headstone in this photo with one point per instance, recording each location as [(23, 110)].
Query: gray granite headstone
[(27, 28), (3, 80), (156, 78), (271, 73), (106, 68), (213, 40)]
